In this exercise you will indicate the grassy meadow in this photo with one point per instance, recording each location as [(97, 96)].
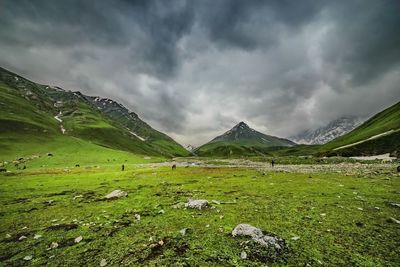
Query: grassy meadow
[(327, 218)]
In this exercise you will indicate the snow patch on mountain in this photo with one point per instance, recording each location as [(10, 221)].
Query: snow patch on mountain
[(329, 132)]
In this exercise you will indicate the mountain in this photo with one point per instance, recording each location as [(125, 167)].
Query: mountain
[(379, 134), (33, 115), (328, 132), (241, 140)]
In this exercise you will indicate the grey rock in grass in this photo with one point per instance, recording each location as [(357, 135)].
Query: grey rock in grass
[(197, 204), (22, 238), (258, 236), (78, 239), (103, 262), (243, 255), (28, 258), (183, 231), (116, 194)]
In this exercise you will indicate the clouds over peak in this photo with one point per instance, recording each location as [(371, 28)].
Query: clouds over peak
[(195, 68)]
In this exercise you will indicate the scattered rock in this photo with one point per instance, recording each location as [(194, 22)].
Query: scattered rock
[(243, 255), (397, 205), (264, 247), (295, 238), (28, 258), (197, 204), (37, 236), (183, 231), (360, 209), (103, 262), (137, 217), (22, 238), (78, 239), (258, 236), (53, 245), (216, 202), (116, 194)]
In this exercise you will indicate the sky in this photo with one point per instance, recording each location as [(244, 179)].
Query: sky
[(194, 69)]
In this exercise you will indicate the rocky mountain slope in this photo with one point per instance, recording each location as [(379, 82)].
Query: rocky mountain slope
[(241, 140), (328, 132)]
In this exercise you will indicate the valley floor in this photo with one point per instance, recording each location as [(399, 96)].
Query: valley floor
[(329, 215)]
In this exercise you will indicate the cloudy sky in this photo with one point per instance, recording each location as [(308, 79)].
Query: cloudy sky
[(193, 69)]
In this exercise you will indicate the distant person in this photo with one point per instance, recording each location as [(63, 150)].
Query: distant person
[(122, 167), (272, 163)]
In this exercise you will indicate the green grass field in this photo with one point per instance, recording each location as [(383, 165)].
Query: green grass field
[(341, 220)]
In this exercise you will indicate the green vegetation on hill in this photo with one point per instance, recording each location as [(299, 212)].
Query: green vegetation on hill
[(28, 110), (381, 123), (241, 140)]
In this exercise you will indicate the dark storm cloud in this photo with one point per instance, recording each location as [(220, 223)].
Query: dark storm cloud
[(195, 68)]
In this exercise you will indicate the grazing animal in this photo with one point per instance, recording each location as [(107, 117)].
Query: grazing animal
[(122, 167), (49, 154), (77, 165), (24, 167), (273, 163), (174, 166), (3, 170)]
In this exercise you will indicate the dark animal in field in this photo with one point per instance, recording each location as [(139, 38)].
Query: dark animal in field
[(3, 170), (122, 167), (398, 168), (21, 159), (24, 167), (174, 166), (77, 165), (49, 154)]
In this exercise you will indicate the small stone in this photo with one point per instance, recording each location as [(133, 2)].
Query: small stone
[(137, 217), (295, 238), (161, 211), (8, 235), (78, 239), (53, 245), (116, 194), (243, 255), (161, 243), (360, 208), (28, 258), (377, 208), (22, 237), (103, 262), (207, 225), (37, 236), (323, 214), (183, 231), (221, 217), (197, 204), (397, 205)]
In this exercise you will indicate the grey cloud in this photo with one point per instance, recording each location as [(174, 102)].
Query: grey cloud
[(195, 68)]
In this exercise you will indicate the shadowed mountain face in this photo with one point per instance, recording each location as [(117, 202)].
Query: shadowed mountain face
[(31, 111), (242, 140)]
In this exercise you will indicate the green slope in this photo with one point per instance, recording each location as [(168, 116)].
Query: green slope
[(28, 110), (379, 134), (241, 140), (131, 121)]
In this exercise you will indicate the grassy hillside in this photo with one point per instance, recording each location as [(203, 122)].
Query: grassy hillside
[(383, 122), (28, 111)]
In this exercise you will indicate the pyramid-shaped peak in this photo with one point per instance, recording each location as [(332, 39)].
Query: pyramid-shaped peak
[(242, 124)]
